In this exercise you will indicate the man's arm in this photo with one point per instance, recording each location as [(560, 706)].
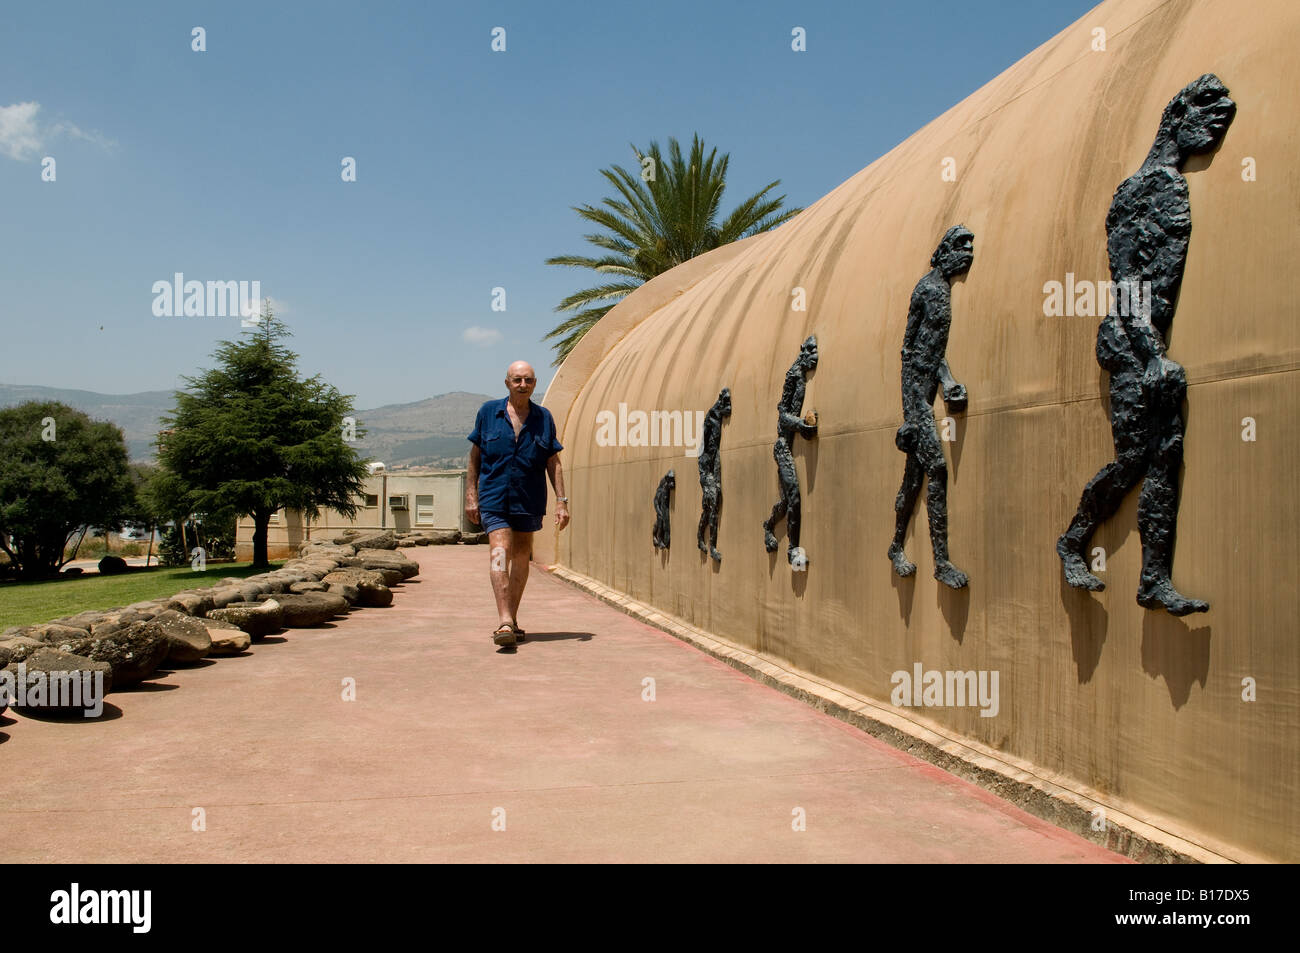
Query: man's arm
[(556, 473)]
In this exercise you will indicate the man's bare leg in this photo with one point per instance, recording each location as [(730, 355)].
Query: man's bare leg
[(500, 543), (521, 552)]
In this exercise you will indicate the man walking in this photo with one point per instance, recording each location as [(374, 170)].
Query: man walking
[(515, 447)]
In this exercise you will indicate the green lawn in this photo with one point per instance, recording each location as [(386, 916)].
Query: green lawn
[(25, 603)]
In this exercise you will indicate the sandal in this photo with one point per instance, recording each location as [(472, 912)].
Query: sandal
[(504, 634), (519, 633)]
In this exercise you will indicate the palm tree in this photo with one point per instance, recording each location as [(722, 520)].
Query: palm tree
[(667, 215)]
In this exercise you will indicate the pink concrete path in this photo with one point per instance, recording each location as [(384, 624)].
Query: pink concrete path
[(448, 735)]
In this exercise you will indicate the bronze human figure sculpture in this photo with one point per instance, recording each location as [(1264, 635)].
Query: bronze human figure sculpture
[(662, 531), (1147, 232), (788, 423), (925, 367), (711, 472)]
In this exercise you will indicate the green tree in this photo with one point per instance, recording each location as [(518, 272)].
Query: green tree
[(59, 472), (250, 437), (150, 508), (667, 213)]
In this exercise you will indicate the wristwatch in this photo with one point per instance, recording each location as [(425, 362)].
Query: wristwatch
[(561, 499)]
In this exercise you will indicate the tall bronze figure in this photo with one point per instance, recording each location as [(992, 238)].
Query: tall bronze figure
[(925, 367), (711, 472), (1147, 232), (788, 423)]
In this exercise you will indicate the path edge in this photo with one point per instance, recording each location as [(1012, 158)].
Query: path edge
[(1057, 800)]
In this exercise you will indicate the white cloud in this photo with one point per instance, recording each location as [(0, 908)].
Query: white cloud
[(483, 337), (22, 136), (19, 137)]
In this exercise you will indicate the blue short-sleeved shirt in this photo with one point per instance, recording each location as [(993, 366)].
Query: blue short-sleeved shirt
[(512, 474)]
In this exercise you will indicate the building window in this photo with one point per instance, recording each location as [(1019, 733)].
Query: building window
[(424, 510), (372, 501)]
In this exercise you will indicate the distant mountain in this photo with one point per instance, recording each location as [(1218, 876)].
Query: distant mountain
[(428, 432), (136, 414)]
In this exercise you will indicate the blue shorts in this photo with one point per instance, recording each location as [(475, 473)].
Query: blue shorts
[(520, 524)]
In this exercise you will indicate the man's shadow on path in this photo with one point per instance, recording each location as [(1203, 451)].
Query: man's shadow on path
[(548, 637)]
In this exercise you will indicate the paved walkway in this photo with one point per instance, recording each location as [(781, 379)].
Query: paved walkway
[(447, 735)]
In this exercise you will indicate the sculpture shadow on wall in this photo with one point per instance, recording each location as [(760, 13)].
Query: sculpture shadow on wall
[(1089, 621), (1174, 651), (905, 587), (955, 606)]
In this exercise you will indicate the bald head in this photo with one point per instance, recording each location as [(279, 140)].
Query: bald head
[(520, 379)]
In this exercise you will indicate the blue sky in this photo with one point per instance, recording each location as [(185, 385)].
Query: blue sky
[(225, 164)]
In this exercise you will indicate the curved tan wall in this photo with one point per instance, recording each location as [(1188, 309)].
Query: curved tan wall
[(1140, 708)]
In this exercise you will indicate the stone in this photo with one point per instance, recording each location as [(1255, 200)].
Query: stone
[(374, 595), (134, 653), (82, 620), (20, 646), (225, 595), (192, 603), (353, 576), (319, 550), (112, 566), (347, 590), (302, 610), (473, 539), (257, 619), (54, 633), (227, 639), (309, 587), (384, 540), (379, 559), (71, 571), (251, 592), (442, 537), (187, 638)]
